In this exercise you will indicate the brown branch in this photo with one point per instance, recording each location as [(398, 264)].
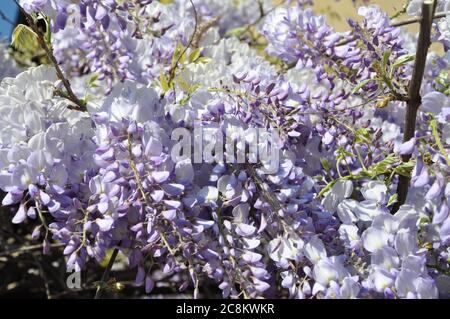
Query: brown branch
[(201, 30), (418, 19), (414, 98), (81, 106)]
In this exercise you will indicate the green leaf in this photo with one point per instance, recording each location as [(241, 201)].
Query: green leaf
[(362, 135), (194, 88), (23, 38), (342, 153), (164, 82), (383, 166), (237, 32), (91, 81), (405, 169), (183, 84), (386, 56), (203, 60), (48, 32), (166, 1), (434, 129), (328, 69), (392, 200), (325, 164), (319, 178), (326, 188), (178, 55), (424, 220), (403, 60), (360, 85), (195, 54)]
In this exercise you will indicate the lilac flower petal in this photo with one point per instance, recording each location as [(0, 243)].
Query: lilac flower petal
[(20, 215), (441, 214), (170, 214), (149, 285), (245, 230), (160, 177), (407, 148), (105, 223), (173, 189), (445, 231)]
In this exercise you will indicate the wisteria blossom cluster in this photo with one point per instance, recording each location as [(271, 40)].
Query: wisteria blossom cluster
[(323, 225)]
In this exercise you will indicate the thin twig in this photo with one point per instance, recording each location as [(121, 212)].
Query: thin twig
[(48, 50), (27, 249), (401, 24), (402, 11), (414, 98), (175, 65), (43, 276), (106, 273), (262, 15)]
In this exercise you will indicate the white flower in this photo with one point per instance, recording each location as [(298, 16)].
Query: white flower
[(315, 250), (328, 270), (426, 288), (240, 213), (434, 102), (184, 171), (345, 211), (374, 190), (391, 132), (414, 7), (409, 284), (415, 263), (374, 239), (405, 242), (385, 257), (228, 186), (208, 195), (350, 211), (349, 234), (8, 67), (324, 272), (128, 100), (282, 248), (340, 190), (386, 222), (350, 288), (27, 104), (274, 249), (381, 279), (407, 217)]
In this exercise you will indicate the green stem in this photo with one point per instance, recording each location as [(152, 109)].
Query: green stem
[(106, 273)]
